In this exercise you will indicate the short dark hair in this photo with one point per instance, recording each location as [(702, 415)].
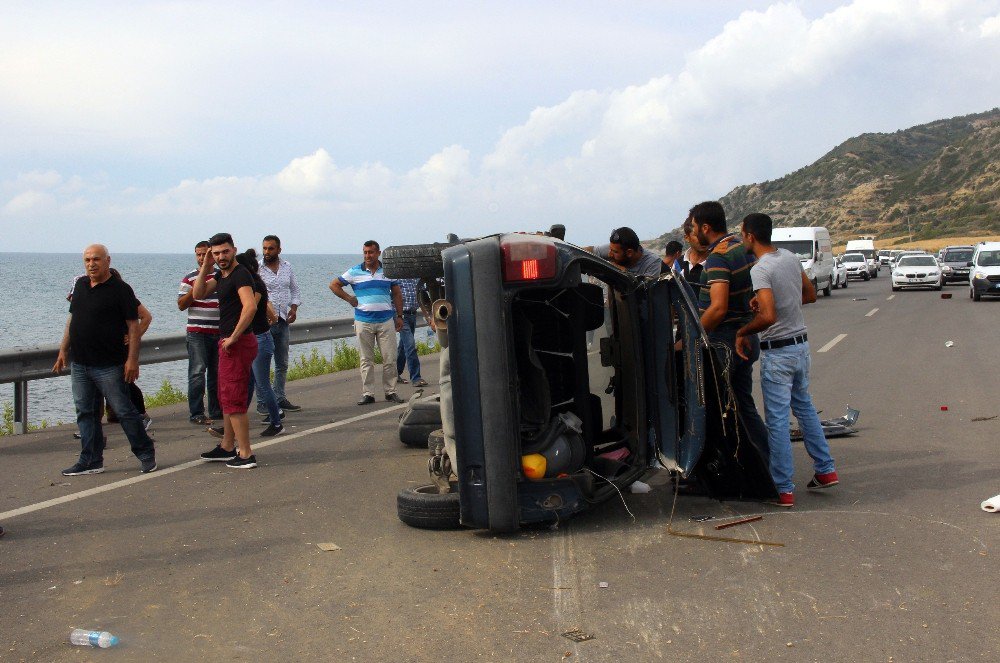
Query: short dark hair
[(672, 247), (710, 212), (626, 238), (272, 238), (221, 238), (203, 244), (759, 225), (248, 259), (372, 242)]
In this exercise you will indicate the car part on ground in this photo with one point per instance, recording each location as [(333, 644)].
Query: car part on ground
[(839, 427), (426, 508), (420, 418)]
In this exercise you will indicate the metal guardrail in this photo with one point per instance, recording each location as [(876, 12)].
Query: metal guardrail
[(22, 365)]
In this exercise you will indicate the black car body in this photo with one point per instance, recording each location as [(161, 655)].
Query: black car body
[(557, 353)]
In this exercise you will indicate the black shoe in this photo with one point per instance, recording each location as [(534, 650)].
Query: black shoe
[(217, 431), (367, 399), (218, 453), (200, 420), (77, 436), (394, 398), (261, 409), (149, 466), (285, 405), (79, 468), (272, 430), (266, 419), (243, 463)]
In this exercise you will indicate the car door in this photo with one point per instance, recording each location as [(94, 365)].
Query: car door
[(675, 379)]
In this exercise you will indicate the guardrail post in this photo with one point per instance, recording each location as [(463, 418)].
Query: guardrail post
[(20, 407)]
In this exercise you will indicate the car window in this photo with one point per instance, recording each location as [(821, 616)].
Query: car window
[(964, 255), (801, 248), (917, 261), (854, 258), (988, 259)]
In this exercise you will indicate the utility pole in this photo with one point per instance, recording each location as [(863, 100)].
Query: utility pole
[(908, 228)]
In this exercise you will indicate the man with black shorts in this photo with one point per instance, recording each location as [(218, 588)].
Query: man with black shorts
[(102, 312), (237, 347)]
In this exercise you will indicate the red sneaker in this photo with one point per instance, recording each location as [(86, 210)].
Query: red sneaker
[(825, 480), (786, 500)]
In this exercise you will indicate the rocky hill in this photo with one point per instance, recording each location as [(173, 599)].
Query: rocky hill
[(932, 180)]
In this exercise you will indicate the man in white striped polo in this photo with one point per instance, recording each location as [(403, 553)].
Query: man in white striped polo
[(378, 316), (202, 345)]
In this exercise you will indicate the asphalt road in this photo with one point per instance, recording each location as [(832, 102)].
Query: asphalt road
[(199, 562)]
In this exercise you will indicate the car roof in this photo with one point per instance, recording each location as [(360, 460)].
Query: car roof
[(988, 246)]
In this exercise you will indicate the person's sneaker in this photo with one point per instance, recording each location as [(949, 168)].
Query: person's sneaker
[(786, 500), (394, 398), (217, 431), (200, 420), (420, 383), (272, 430), (290, 407), (266, 419), (401, 380), (218, 453), (367, 399), (243, 463), (824, 480), (80, 468), (77, 436), (261, 409), (149, 466), (147, 421)]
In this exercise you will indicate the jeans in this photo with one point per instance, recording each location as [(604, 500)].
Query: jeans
[(741, 379), (203, 357), (89, 384), (279, 333), (784, 379), (260, 376), (406, 352), (385, 334)]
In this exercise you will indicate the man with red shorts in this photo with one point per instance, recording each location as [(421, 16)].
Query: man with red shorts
[(237, 347)]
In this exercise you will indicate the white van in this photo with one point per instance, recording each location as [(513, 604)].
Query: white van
[(985, 268), (866, 247), (813, 247)]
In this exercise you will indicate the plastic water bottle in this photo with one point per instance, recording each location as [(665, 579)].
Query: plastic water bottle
[(101, 639)]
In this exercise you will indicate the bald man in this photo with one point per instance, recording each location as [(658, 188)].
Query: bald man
[(102, 312)]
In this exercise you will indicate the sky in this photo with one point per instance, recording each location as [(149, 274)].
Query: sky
[(148, 126)]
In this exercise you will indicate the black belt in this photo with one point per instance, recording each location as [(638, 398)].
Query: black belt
[(409, 310), (784, 342)]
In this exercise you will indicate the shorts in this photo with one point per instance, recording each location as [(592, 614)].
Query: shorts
[(234, 373)]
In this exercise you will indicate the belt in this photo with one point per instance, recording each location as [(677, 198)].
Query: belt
[(409, 310), (784, 342)]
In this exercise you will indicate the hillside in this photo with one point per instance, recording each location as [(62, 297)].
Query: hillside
[(932, 180)]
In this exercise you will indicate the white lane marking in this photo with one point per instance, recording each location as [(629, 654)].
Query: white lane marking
[(7, 515), (837, 339), (890, 298), (871, 312)]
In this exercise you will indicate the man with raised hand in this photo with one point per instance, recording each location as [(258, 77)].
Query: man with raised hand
[(202, 345), (103, 311)]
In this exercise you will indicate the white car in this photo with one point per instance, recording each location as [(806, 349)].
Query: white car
[(985, 277), (857, 266), (839, 273), (918, 271)]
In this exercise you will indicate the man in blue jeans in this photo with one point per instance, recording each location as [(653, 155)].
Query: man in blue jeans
[(406, 353), (102, 314), (283, 293), (781, 288), (202, 345)]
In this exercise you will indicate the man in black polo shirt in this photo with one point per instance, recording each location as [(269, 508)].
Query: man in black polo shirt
[(102, 314)]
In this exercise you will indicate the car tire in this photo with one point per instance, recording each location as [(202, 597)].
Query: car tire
[(867, 277), (425, 508), (846, 281), (939, 286), (976, 296), (414, 261), (829, 288), (895, 288)]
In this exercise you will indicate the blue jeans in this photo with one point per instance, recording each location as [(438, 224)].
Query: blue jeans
[(89, 384), (203, 358), (279, 334), (406, 353), (260, 378), (784, 379), (741, 380)]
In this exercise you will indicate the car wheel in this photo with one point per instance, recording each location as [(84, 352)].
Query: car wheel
[(939, 286), (976, 296), (846, 281), (425, 508), (895, 288), (828, 288), (867, 276), (414, 261)]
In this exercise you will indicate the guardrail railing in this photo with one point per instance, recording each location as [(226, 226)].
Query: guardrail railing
[(23, 365)]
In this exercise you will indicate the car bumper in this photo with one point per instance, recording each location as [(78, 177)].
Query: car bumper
[(985, 287), (953, 276), (916, 282)]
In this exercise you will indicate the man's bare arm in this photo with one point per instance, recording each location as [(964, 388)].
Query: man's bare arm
[(713, 316), (132, 362), (808, 290), (63, 358)]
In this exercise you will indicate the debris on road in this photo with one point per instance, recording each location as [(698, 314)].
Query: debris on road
[(949, 344), (861, 299), (708, 537), (700, 519), (984, 418), (640, 487), (603, 585), (945, 295), (327, 547), (839, 427), (944, 408), (576, 635), (991, 505), (741, 521)]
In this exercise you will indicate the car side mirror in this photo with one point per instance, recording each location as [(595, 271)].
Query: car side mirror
[(969, 264)]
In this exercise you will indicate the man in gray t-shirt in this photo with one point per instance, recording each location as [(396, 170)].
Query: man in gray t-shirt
[(625, 251), (781, 288)]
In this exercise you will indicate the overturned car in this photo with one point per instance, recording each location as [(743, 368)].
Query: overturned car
[(569, 380)]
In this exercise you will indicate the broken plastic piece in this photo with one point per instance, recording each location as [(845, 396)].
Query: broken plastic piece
[(327, 547), (944, 408), (576, 635), (949, 344), (602, 585), (991, 505)]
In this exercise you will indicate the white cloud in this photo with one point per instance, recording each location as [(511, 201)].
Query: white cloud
[(990, 27)]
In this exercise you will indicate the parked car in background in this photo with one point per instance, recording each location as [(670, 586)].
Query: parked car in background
[(985, 268), (955, 263), (866, 247), (839, 273), (814, 250), (857, 266), (917, 271)]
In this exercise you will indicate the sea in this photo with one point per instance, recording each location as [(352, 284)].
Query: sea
[(37, 308)]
